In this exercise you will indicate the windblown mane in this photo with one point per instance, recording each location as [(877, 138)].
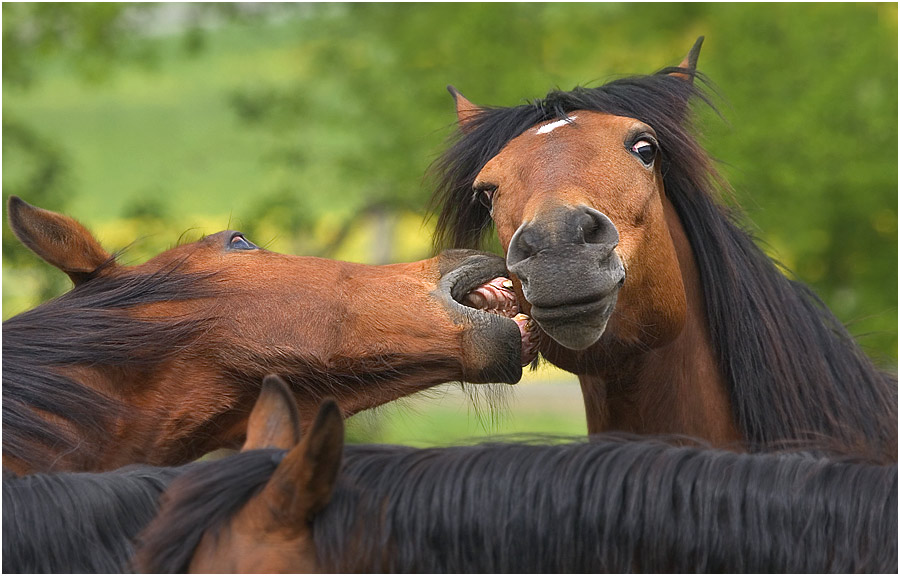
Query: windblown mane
[(88, 326), (78, 522), (793, 370), (614, 504)]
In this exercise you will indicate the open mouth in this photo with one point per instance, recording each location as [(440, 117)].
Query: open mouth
[(497, 297)]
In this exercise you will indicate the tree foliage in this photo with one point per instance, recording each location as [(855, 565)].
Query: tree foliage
[(339, 110)]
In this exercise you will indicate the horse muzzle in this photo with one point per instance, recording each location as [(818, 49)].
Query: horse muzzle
[(497, 340), (570, 273)]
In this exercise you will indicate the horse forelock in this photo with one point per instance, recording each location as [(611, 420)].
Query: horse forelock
[(201, 501), (89, 326), (660, 100)]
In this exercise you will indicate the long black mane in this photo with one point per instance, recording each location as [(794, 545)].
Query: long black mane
[(45, 412), (793, 370), (610, 505), (78, 522)]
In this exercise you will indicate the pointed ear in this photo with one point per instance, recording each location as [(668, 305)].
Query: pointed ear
[(690, 62), (58, 239), (304, 480), (274, 421), (465, 110)]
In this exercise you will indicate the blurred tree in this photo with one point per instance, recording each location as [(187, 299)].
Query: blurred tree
[(354, 111)]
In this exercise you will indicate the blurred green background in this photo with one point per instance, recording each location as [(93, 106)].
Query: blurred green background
[(311, 126)]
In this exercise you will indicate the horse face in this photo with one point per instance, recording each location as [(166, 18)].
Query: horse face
[(579, 208), (272, 532), (363, 334), (367, 334)]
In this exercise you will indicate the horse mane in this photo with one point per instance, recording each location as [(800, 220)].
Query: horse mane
[(87, 326), (612, 504), (792, 369), (78, 522), (199, 501)]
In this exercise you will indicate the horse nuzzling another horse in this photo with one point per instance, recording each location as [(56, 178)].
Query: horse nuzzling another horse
[(616, 504), (160, 363), (647, 288)]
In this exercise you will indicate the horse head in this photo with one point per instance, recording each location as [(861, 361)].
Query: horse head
[(182, 341), (272, 532), (579, 207)]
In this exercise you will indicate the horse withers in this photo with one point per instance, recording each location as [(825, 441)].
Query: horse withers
[(294, 503), (160, 363), (643, 282)]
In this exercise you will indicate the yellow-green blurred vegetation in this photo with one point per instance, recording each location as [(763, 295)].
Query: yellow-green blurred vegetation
[(310, 127)]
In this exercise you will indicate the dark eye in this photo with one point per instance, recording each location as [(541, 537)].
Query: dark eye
[(645, 149), (238, 242), (485, 194)]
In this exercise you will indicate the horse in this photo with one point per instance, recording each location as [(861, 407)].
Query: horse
[(86, 522), (614, 504), (160, 363), (642, 281)]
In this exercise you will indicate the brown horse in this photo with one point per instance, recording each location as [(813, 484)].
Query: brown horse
[(671, 316), (290, 503), (160, 363)]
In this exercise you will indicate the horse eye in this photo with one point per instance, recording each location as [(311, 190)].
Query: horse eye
[(485, 194), (645, 150), (238, 242)]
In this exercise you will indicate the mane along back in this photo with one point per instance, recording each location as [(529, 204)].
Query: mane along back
[(88, 326), (78, 522), (615, 504), (793, 370), (607, 506)]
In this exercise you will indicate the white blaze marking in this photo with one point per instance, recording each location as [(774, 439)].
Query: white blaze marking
[(548, 128)]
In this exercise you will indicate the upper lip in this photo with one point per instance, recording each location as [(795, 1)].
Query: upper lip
[(470, 274)]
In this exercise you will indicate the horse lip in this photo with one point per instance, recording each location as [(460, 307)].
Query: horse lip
[(576, 324), (574, 309)]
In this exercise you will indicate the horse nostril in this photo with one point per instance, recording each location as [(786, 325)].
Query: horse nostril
[(597, 228), (521, 246)]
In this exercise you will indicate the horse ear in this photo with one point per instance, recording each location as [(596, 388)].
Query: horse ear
[(274, 421), (304, 480), (465, 110), (58, 239), (690, 62)]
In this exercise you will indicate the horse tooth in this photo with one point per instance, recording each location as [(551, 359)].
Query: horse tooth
[(530, 337), (507, 283)]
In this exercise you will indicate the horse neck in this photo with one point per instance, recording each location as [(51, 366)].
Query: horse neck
[(676, 388), (177, 413), (162, 415)]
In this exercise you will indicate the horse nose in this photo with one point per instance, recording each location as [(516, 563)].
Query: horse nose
[(579, 225)]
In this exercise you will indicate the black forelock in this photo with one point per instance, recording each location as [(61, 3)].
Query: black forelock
[(201, 501), (659, 100)]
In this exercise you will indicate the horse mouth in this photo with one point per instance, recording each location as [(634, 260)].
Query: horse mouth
[(576, 325), (497, 297)]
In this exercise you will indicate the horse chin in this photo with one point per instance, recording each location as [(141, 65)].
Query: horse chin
[(576, 327)]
